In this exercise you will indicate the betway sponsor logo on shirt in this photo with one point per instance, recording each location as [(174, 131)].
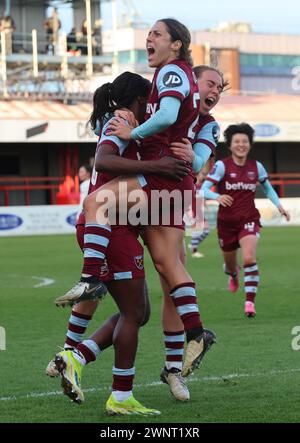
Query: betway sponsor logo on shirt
[(240, 186), (151, 108)]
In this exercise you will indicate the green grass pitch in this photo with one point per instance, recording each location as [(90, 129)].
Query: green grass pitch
[(251, 375)]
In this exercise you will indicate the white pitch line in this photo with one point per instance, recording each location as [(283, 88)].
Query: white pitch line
[(223, 378), (45, 281)]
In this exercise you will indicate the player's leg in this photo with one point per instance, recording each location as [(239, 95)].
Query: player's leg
[(164, 244), (133, 312), (103, 336), (197, 238), (130, 299), (101, 209), (231, 268), (82, 312), (229, 244), (78, 322), (251, 272), (174, 338), (79, 319), (70, 363)]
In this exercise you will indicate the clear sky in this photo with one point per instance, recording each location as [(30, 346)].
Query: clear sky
[(267, 16)]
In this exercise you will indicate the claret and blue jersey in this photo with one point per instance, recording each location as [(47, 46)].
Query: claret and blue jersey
[(175, 80)]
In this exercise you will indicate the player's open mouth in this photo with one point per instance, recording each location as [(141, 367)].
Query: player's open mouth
[(209, 101), (150, 50)]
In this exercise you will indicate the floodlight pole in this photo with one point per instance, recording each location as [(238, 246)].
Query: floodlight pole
[(64, 64), (89, 65), (7, 7), (35, 54), (115, 67), (3, 64)]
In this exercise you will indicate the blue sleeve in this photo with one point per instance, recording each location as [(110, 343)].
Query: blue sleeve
[(112, 139), (209, 135), (262, 173), (217, 172), (97, 130), (205, 144), (104, 120), (270, 192), (202, 154), (208, 194), (162, 119)]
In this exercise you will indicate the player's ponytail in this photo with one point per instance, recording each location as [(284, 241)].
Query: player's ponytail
[(101, 104), (121, 93)]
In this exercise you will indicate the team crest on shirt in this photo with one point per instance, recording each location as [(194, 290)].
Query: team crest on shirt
[(216, 133), (251, 175), (172, 79), (139, 262), (213, 169), (104, 269), (249, 226)]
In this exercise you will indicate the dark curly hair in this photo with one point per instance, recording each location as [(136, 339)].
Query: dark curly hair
[(241, 128)]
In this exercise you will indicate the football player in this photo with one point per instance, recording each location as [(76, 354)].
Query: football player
[(238, 220)]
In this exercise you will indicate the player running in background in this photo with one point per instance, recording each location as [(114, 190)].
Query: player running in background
[(197, 236), (172, 114), (123, 271), (238, 221)]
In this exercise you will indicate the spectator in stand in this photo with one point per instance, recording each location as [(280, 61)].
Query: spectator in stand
[(8, 26), (82, 46), (52, 25), (97, 37), (72, 41)]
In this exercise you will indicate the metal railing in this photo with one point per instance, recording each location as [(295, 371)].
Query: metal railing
[(29, 60), (25, 185)]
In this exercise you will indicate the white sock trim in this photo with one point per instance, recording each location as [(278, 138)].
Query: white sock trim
[(121, 395)]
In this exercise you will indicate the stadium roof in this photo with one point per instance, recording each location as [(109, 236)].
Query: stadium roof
[(43, 110), (275, 118)]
